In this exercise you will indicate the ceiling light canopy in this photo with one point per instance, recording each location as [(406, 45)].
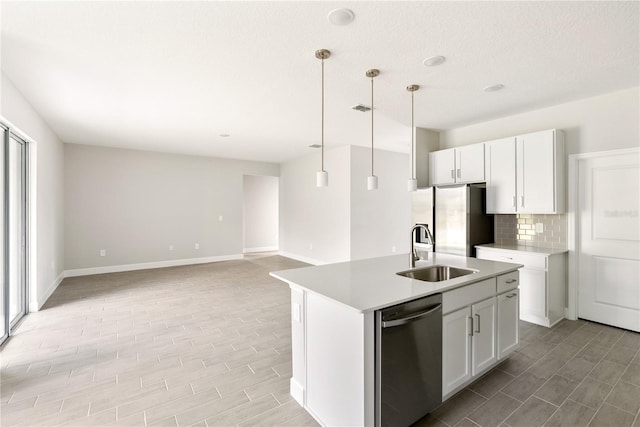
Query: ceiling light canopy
[(341, 16), (434, 61)]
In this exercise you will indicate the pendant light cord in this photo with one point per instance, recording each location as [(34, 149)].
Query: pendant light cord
[(372, 126), (413, 173), (322, 133)]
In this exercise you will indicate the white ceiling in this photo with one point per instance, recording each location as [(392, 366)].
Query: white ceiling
[(173, 76)]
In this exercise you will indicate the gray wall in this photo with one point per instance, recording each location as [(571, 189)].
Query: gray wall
[(47, 163), (261, 212), (135, 204), (380, 219), (314, 222), (345, 221)]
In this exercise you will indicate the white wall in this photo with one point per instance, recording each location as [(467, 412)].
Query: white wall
[(380, 219), (47, 163), (314, 222), (599, 123), (345, 221), (135, 204), (260, 212)]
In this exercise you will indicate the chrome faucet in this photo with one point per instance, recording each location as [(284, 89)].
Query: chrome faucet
[(413, 255)]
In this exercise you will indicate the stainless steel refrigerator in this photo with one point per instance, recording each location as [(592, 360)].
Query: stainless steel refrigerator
[(461, 221)]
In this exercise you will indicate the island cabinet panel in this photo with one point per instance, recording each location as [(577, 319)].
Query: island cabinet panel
[(339, 362)]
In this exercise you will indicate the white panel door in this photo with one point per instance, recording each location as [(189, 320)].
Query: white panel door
[(608, 247)]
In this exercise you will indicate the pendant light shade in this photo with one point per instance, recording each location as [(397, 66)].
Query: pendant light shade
[(412, 184), (322, 177), (372, 180)]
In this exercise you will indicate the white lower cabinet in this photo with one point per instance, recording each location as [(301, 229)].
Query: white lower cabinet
[(483, 335), (507, 323), (542, 282), (479, 328)]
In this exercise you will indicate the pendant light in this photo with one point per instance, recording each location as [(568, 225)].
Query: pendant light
[(322, 177), (372, 181), (412, 184)]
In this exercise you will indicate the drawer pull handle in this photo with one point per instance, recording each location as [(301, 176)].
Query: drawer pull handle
[(478, 327), (511, 281), (512, 295), (507, 257)]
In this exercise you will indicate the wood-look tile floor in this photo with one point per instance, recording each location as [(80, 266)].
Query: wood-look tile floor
[(577, 373), (204, 345), (210, 345)]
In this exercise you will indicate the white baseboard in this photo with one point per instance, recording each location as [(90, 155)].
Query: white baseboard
[(308, 260), (148, 265), (41, 299), (296, 391), (260, 249)]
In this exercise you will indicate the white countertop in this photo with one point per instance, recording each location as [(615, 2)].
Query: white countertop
[(524, 248), (371, 284)]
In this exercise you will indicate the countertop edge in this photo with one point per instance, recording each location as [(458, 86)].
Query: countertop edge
[(524, 249)]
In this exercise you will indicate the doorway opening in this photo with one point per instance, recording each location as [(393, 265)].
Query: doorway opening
[(260, 222)]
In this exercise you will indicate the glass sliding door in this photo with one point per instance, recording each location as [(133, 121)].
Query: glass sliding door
[(4, 289), (16, 165)]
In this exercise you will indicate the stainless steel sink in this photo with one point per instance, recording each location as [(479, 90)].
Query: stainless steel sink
[(436, 273)]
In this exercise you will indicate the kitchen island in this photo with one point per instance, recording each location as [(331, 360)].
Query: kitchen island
[(333, 327)]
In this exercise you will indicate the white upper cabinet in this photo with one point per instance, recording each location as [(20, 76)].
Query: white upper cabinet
[(457, 165), (525, 174)]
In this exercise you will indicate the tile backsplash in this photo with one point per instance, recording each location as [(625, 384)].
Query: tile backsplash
[(521, 229)]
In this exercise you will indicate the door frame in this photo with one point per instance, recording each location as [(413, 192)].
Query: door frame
[(573, 222)]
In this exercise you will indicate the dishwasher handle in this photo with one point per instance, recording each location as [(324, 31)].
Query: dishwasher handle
[(413, 317)]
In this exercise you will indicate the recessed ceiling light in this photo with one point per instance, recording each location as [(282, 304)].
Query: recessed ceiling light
[(342, 16), (434, 61), (224, 135), (494, 88)]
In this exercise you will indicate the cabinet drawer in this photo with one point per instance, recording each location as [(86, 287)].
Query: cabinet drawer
[(507, 281), (468, 295), (529, 260)]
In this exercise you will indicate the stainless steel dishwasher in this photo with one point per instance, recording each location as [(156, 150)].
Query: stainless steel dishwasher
[(408, 361)]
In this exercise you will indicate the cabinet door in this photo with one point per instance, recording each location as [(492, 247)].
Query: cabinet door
[(483, 336), (456, 350), (508, 318), (442, 167), (536, 172), (533, 293), (470, 163), (501, 175)]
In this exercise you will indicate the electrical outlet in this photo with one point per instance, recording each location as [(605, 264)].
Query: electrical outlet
[(310, 246), (103, 252), (197, 246), (393, 249), (220, 218), (170, 247), (539, 227)]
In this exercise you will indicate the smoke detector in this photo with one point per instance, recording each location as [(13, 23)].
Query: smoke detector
[(362, 108)]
